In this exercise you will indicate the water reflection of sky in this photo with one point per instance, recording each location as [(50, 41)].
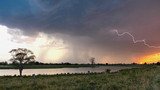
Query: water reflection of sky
[(61, 70)]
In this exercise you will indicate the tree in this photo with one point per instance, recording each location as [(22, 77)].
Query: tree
[(3, 63), (21, 56), (158, 63), (92, 60)]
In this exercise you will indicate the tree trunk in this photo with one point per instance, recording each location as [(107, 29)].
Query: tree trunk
[(20, 68), (20, 72)]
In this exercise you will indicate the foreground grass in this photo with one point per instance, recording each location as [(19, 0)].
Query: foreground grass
[(146, 78)]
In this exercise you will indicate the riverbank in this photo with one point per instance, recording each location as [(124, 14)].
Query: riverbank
[(63, 66), (144, 78), (52, 71)]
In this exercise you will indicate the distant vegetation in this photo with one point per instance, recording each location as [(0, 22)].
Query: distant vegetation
[(39, 65), (145, 78)]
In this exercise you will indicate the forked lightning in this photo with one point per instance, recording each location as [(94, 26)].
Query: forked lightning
[(134, 40)]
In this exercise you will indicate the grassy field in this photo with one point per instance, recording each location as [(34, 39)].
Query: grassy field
[(146, 78)]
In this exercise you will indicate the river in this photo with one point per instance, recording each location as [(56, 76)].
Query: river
[(61, 70)]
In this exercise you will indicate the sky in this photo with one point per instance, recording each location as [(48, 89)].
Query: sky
[(112, 31)]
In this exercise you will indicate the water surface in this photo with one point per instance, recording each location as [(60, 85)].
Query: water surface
[(61, 70)]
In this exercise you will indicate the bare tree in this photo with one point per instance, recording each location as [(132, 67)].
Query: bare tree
[(92, 60), (21, 56)]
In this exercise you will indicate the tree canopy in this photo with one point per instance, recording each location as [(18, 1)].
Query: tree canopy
[(21, 56)]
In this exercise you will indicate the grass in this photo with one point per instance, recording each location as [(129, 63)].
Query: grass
[(145, 78)]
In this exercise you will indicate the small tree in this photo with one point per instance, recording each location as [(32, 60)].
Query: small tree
[(92, 60), (21, 56), (158, 63)]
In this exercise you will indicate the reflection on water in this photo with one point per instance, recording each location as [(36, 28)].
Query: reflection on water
[(61, 70)]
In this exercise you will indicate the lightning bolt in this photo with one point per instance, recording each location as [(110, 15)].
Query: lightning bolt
[(134, 40)]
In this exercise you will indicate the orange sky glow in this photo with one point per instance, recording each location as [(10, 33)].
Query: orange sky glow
[(152, 58)]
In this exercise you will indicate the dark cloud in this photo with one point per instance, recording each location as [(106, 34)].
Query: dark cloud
[(68, 16), (88, 18)]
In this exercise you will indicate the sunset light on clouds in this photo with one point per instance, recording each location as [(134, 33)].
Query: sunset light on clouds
[(76, 30), (153, 58), (45, 48), (80, 44)]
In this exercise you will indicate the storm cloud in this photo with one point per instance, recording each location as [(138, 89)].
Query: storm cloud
[(86, 25)]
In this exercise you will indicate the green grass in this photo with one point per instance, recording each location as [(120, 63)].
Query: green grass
[(145, 78)]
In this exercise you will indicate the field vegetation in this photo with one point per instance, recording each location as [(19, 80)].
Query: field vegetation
[(144, 78)]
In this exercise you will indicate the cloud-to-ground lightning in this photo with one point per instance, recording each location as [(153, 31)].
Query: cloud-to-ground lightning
[(134, 40)]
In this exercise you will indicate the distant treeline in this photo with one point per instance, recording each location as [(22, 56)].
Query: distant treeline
[(40, 63), (67, 63)]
